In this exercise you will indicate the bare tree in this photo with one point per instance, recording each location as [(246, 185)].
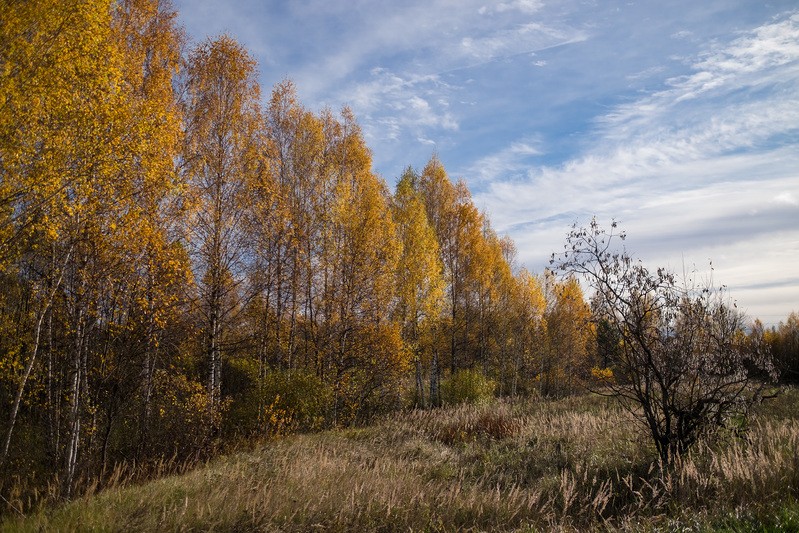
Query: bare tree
[(683, 365)]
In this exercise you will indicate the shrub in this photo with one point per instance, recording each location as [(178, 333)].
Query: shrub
[(468, 386), (281, 402), (301, 395), (181, 420), (684, 364)]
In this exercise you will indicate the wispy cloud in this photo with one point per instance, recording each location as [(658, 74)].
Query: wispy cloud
[(406, 71), (524, 6), (520, 39), (705, 167), (418, 99), (512, 161)]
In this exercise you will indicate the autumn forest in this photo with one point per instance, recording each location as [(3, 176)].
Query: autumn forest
[(187, 263)]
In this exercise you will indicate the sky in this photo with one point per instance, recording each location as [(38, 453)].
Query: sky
[(677, 119)]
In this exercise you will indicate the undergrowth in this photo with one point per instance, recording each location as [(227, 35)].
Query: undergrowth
[(572, 464)]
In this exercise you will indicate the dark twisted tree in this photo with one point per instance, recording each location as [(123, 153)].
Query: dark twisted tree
[(683, 363)]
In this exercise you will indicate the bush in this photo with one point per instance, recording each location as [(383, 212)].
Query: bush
[(280, 403), (468, 386), (301, 396), (683, 363), (181, 421)]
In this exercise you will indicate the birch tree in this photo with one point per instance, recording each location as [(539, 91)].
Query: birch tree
[(222, 155), (420, 281)]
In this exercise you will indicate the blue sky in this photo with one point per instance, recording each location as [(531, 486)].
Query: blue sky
[(679, 119)]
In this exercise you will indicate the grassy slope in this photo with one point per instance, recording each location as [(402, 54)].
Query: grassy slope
[(570, 464)]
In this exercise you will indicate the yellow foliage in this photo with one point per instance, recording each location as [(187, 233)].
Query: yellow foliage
[(420, 281), (602, 375)]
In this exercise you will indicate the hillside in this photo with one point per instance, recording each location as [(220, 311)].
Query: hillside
[(569, 464)]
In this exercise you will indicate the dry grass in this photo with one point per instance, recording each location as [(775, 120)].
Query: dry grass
[(575, 464)]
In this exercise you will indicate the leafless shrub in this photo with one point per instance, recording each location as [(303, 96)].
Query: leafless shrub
[(681, 361)]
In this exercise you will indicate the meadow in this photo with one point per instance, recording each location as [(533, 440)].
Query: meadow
[(573, 464)]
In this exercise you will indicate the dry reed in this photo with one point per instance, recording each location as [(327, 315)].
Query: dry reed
[(571, 465)]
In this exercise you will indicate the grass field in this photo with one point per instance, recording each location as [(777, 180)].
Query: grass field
[(574, 464)]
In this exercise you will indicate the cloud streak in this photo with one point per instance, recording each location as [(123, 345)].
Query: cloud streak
[(706, 167), (419, 59)]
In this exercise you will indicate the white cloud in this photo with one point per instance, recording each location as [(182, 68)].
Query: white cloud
[(787, 198), (768, 55), (523, 6), (644, 74), (390, 104), (519, 39), (419, 38), (505, 164), (705, 168)]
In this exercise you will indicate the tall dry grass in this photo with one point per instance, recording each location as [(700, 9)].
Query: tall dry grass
[(574, 464)]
